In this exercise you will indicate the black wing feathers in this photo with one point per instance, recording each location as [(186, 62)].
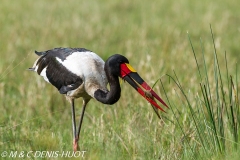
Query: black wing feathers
[(61, 53), (57, 74)]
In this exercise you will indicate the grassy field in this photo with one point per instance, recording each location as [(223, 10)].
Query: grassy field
[(159, 38)]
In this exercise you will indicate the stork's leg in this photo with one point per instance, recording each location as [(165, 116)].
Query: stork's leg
[(75, 144), (81, 118)]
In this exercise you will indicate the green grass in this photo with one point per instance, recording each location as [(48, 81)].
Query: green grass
[(215, 114), (166, 40)]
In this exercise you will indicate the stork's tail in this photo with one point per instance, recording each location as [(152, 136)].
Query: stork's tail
[(40, 53), (33, 68)]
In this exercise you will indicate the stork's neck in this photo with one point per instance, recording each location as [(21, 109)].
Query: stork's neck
[(111, 96)]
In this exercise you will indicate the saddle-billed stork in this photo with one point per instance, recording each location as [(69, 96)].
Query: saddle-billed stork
[(78, 72)]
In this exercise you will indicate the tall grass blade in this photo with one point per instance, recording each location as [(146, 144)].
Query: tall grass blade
[(174, 114), (234, 107), (195, 57), (220, 106)]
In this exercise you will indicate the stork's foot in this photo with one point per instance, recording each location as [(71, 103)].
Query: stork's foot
[(75, 145)]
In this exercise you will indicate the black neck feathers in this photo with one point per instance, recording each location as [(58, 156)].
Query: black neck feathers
[(112, 69), (111, 96)]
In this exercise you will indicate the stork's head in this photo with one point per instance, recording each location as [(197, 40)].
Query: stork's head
[(120, 67)]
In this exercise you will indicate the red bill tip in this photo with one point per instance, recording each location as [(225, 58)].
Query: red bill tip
[(152, 101)]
